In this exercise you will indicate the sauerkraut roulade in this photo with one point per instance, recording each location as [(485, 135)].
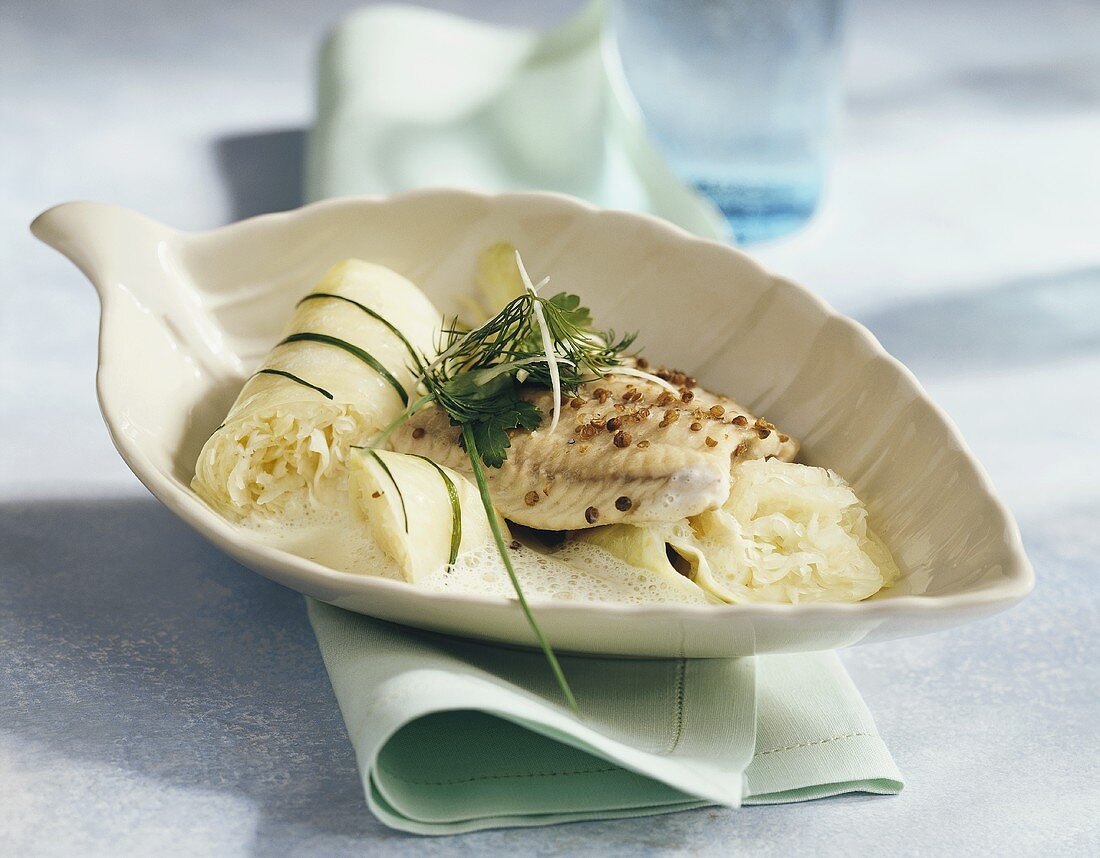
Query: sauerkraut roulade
[(344, 368)]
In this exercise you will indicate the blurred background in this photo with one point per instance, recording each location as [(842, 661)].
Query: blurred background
[(959, 220)]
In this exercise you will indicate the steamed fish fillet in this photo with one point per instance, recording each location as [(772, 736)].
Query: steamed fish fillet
[(626, 450), (340, 373)]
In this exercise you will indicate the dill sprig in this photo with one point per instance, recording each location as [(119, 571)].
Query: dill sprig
[(478, 375)]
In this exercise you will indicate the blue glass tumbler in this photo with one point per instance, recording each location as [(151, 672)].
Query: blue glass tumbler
[(742, 98)]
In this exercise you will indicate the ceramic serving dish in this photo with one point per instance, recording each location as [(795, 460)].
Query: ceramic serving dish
[(186, 317)]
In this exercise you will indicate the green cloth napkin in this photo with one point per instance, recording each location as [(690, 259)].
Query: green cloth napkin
[(453, 735)]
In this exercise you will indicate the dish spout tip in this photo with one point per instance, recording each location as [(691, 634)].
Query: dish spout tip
[(93, 235)]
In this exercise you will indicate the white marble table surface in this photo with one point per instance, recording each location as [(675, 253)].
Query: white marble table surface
[(156, 698)]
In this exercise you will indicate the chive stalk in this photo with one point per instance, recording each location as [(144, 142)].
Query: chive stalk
[(494, 525)]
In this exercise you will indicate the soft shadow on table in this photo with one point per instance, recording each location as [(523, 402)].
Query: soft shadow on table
[(262, 172), (1022, 323), (130, 641), (1042, 86)]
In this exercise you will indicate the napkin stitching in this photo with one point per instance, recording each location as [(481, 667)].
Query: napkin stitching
[(393, 774), (815, 742), (678, 720)]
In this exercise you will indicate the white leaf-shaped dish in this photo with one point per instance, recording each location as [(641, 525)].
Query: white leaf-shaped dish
[(186, 317)]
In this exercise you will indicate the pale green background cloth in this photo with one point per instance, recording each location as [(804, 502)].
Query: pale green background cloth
[(455, 736), (411, 98)]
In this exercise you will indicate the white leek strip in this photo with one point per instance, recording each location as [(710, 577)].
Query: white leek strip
[(421, 514), (547, 340), (648, 376)]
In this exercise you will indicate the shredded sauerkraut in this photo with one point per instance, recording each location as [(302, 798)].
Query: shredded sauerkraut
[(269, 463), (790, 533)]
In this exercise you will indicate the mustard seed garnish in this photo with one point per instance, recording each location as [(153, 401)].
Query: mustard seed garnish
[(576, 402), (677, 379), (784, 438), (717, 411), (418, 432), (664, 399), (740, 420), (696, 426), (686, 395), (622, 439), (614, 424), (741, 449), (711, 442), (642, 414), (376, 494), (591, 515), (763, 433), (531, 498), (623, 503), (515, 545), (690, 381), (643, 444)]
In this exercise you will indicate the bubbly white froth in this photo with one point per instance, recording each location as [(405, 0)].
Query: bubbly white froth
[(336, 538), (576, 572)]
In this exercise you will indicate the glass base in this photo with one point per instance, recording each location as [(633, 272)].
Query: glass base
[(759, 212)]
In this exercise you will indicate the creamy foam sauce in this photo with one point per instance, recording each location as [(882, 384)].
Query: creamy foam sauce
[(576, 572), (340, 539), (337, 538)]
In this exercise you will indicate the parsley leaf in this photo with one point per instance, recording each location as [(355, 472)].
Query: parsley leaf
[(491, 432)]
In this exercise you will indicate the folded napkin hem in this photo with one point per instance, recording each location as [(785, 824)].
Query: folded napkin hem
[(391, 817), (854, 762)]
